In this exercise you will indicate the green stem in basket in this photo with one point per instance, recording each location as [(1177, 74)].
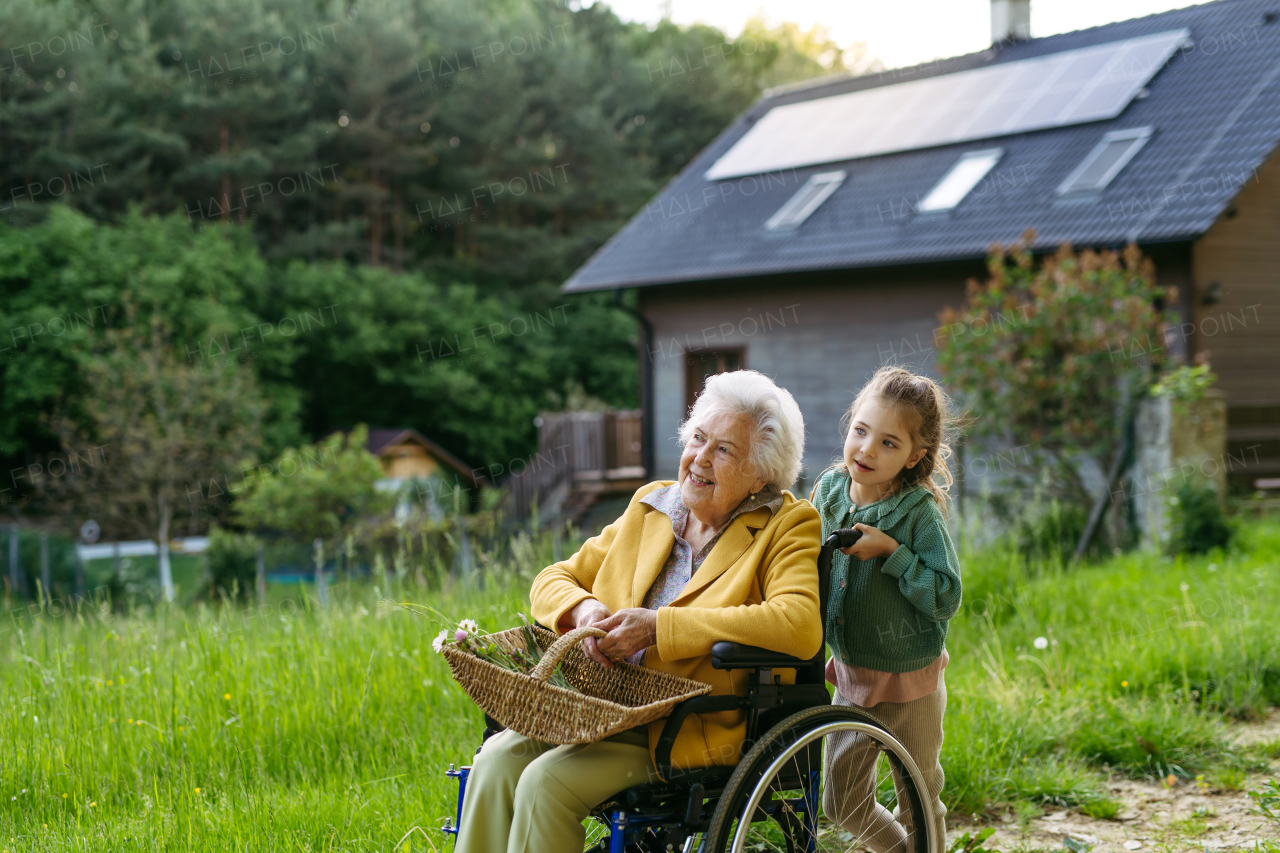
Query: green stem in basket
[(535, 652), (467, 636)]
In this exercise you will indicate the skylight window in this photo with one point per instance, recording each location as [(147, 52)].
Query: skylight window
[(806, 200), (963, 177), (1106, 160)]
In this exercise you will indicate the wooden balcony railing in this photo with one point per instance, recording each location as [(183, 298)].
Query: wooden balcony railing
[(576, 447)]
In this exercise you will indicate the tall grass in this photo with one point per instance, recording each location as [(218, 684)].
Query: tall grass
[(1145, 659), (281, 727), (287, 727)]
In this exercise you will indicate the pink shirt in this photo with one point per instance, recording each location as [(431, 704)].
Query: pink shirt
[(869, 687)]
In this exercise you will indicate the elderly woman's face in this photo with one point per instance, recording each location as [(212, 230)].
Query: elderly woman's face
[(715, 475)]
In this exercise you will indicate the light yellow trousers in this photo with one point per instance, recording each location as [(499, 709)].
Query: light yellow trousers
[(849, 774), (526, 796)]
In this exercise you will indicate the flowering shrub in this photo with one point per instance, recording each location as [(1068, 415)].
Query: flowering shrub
[(1044, 353)]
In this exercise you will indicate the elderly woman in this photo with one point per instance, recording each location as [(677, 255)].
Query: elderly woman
[(723, 553)]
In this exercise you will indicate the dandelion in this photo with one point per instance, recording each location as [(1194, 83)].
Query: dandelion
[(469, 625), (226, 695), (1041, 643), (439, 641), (110, 683), (64, 796), (131, 721), (1124, 684), (94, 803), (197, 790)]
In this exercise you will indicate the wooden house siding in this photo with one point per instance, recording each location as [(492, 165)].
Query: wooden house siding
[(1241, 333)]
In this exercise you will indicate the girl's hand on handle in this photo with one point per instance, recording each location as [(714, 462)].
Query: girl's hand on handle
[(589, 610), (874, 543)]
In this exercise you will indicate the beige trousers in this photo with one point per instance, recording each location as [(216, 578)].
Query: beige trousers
[(849, 780), (526, 796)]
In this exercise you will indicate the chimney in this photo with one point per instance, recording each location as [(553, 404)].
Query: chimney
[(1010, 21)]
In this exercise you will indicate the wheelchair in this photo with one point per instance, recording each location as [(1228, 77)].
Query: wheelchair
[(772, 800)]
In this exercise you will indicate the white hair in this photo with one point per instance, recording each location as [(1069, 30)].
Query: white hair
[(777, 427)]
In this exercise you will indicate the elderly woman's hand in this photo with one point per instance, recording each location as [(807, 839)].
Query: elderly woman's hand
[(588, 611), (630, 631)]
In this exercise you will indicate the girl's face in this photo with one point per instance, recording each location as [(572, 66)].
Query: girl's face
[(878, 447)]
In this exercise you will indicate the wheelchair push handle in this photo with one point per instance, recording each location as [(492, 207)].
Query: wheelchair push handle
[(552, 656), (843, 538)]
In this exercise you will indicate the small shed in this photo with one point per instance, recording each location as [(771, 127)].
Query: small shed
[(407, 454)]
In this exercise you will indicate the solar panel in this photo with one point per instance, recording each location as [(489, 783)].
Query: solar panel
[(1060, 89)]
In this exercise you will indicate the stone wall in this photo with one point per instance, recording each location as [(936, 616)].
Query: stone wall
[(1175, 442)]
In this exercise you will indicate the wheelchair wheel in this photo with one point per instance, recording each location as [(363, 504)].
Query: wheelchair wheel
[(596, 839), (775, 799)]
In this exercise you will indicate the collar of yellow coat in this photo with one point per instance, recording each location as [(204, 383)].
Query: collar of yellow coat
[(658, 538)]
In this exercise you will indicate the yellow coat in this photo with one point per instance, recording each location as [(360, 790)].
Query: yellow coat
[(759, 586)]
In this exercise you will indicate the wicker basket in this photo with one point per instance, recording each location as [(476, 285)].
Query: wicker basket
[(612, 699)]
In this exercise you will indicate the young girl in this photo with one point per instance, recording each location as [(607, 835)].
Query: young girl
[(891, 596)]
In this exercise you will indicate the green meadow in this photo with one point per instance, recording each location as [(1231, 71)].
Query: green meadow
[(285, 727)]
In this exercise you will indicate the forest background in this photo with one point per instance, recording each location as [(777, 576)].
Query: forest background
[(366, 209)]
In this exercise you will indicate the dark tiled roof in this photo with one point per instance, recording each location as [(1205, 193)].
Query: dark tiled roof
[(1215, 110)]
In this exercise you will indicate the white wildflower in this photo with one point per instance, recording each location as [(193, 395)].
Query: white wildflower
[(470, 626), (1041, 643), (438, 642)]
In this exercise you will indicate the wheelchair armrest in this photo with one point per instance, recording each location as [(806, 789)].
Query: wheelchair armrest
[(726, 655), (696, 705)]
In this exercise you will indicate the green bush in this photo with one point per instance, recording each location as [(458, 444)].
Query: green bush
[(1049, 531), (1199, 523), (232, 559)]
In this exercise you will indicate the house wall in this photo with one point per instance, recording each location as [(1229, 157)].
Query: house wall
[(819, 336), (1241, 333)]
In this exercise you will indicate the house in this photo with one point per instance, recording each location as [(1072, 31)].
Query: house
[(819, 235), (406, 454)]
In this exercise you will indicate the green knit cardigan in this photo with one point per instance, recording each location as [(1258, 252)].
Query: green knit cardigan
[(889, 613)]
